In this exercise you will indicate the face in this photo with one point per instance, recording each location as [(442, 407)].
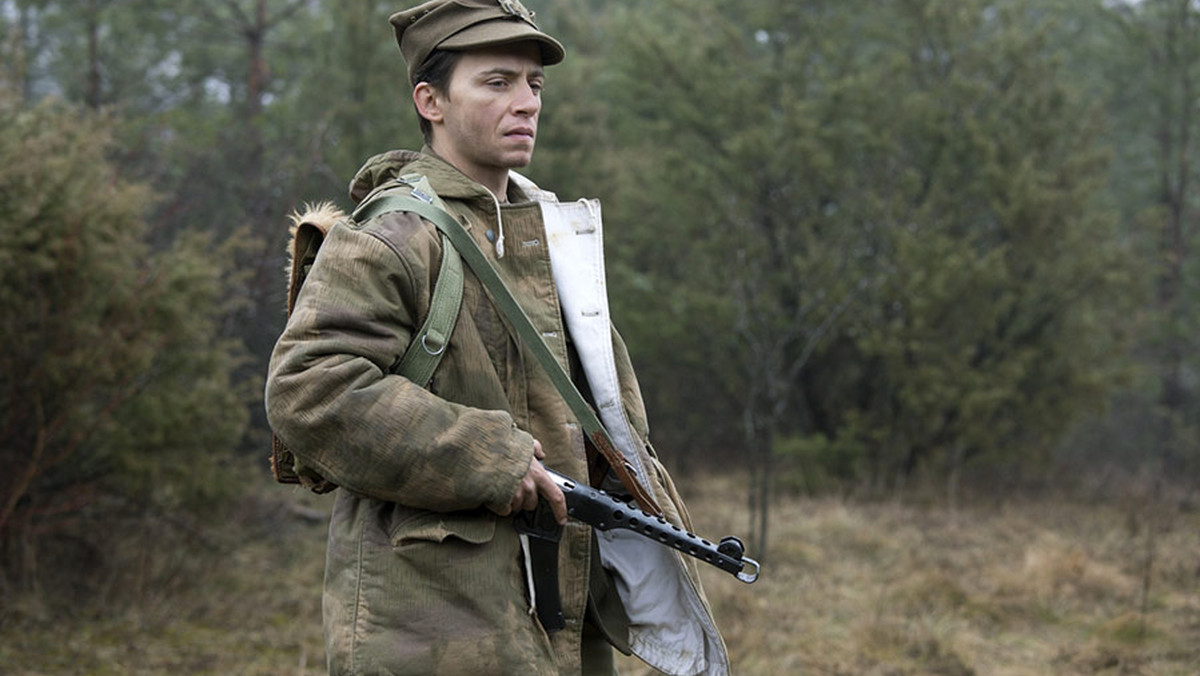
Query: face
[(486, 123)]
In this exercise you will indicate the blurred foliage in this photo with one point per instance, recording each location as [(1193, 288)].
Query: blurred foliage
[(117, 391)]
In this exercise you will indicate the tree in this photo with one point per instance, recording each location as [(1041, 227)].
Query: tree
[(884, 226), (999, 320), (748, 199), (253, 22), (116, 389), (1155, 84)]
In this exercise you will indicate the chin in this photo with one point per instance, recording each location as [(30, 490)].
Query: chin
[(518, 161)]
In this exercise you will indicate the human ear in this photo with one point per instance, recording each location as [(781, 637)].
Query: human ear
[(428, 101)]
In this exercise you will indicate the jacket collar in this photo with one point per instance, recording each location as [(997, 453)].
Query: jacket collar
[(447, 181)]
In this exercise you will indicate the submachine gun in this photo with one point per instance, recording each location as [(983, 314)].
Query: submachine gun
[(605, 511)]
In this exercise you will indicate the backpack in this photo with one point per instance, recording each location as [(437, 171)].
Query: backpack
[(420, 359)]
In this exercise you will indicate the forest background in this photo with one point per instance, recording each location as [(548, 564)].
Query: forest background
[(909, 250)]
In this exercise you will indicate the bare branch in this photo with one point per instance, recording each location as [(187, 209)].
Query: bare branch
[(242, 20), (286, 12)]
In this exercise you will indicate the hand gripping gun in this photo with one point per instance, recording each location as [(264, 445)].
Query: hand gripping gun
[(605, 511)]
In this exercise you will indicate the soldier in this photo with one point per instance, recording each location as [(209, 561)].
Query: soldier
[(425, 573)]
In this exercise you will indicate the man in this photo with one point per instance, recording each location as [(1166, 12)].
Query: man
[(425, 573)]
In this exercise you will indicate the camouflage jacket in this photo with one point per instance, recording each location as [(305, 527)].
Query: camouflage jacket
[(421, 576)]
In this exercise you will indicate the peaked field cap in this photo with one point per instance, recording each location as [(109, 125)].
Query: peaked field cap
[(458, 25)]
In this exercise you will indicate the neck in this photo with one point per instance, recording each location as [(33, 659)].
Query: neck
[(498, 186), (495, 180)]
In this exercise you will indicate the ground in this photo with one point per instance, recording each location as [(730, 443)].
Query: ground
[(1021, 587)]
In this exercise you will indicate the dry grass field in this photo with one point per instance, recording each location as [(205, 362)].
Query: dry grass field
[(1022, 589), (1019, 590)]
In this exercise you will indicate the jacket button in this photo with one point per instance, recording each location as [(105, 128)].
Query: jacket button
[(491, 235)]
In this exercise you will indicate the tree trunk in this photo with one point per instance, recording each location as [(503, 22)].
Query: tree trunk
[(764, 496), (1176, 115), (954, 477), (92, 87), (257, 74)]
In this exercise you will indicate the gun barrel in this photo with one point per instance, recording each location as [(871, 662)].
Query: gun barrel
[(605, 511)]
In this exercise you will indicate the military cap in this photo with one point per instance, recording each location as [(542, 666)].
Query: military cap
[(457, 25)]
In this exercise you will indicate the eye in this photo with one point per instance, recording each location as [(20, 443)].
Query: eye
[(537, 87)]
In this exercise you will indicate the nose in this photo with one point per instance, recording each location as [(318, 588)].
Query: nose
[(527, 102)]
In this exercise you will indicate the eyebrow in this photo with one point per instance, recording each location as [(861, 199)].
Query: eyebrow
[(511, 72)]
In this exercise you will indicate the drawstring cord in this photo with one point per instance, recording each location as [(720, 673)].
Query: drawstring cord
[(499, 227)]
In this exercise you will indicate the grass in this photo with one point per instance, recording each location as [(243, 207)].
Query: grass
[(1022, 589)]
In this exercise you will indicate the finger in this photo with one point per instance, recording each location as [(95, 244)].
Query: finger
[(537, 450), (527, 495), (551, 493), (531, 501)]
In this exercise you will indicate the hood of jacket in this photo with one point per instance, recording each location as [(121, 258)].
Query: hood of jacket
[(447, 181)]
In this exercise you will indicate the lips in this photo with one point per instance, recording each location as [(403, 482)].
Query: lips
[(520, 133)]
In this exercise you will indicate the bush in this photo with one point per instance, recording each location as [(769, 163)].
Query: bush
[(117, 399)]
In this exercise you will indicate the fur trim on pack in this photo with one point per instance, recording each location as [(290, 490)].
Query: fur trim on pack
[(307, 231), (321, 214)]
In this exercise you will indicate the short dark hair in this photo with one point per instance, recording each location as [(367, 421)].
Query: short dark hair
[(436, 72)]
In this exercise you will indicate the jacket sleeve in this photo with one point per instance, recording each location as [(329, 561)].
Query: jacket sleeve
[(331, 399)]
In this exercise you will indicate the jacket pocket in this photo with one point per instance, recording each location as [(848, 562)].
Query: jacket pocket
[(475, 528), (443, 594)]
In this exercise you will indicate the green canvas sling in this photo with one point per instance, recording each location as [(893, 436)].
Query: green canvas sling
[(428, 345), (421, 200)]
